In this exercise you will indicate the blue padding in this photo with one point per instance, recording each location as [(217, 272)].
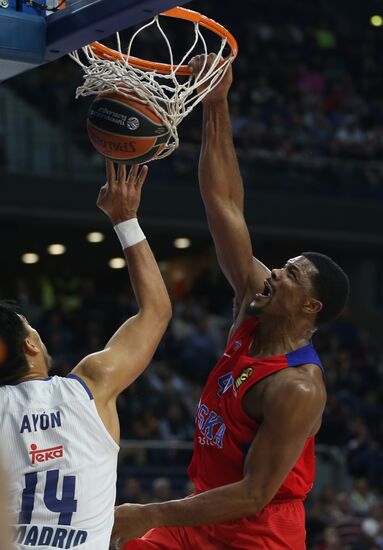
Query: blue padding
[(22, 37), (12, 5), (22, 42), (88, 20), (28, 40), (20, 6)]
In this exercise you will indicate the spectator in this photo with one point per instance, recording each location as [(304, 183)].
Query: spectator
[(161, 489), (347, 526), (362, 498)]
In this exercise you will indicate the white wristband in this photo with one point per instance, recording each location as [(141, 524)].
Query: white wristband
[(129, 233)]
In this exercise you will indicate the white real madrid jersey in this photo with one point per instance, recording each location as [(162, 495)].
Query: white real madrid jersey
[(61, 464)]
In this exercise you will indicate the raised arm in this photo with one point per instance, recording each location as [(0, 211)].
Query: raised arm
[(291, 413), (222, 193), (130, 349)]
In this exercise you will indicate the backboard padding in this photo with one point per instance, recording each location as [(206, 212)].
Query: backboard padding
[(28, 40)]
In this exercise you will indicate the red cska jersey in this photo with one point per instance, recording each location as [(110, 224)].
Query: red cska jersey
[(224, 432)]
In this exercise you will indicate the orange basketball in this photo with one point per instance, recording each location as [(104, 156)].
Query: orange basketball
[(124, 129)]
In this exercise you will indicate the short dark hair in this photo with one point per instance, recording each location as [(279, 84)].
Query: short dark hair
[(331, 286), (13, 362)]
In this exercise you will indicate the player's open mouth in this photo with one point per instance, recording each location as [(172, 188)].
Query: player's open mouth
[(267, 291)]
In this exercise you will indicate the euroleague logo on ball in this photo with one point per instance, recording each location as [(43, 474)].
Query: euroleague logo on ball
[(133, 123), (124, 129)]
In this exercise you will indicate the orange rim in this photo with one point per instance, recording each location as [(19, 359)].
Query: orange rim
[(103, 52)]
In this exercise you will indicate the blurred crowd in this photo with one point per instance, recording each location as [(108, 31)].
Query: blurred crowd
[(307, 112), (313, 90), (76, 315), (306, 90), (346, 521)]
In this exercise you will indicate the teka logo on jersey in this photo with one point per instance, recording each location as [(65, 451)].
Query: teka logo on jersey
[(43, 455), (237, 344), (243, 376)]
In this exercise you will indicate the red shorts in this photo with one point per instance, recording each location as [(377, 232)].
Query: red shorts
[(277, 527)]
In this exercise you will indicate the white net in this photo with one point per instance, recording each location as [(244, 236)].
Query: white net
[(171, 96)]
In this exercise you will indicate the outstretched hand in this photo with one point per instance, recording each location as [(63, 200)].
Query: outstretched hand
[(120, 197), (220, 91)]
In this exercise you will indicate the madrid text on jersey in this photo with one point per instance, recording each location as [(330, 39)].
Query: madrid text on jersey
[(56, 537)]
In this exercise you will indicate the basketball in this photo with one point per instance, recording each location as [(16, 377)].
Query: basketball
[(124, 129)]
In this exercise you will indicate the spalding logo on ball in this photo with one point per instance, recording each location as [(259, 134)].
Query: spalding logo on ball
[(124, 129)]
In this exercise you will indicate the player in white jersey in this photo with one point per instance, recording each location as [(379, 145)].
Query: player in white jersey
[(61, 434), (5, 538)]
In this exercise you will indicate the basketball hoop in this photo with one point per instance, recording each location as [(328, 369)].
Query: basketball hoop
[(169, 89)]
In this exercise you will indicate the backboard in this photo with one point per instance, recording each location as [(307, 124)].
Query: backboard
[(31, 36)]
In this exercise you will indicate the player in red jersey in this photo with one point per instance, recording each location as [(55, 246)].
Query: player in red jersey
[(253, 461)]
